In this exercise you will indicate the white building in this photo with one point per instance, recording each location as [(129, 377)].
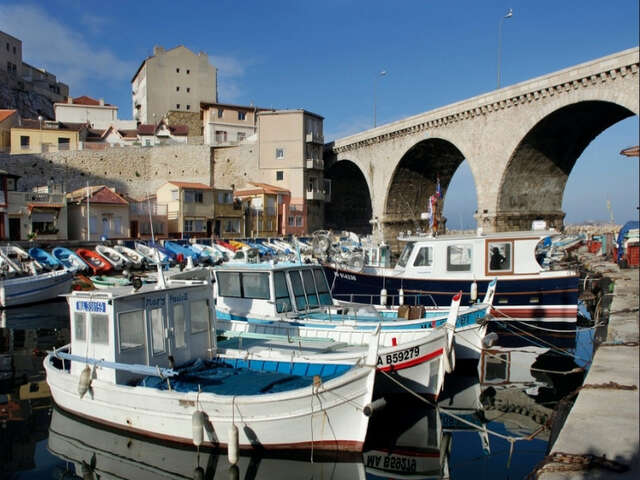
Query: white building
[(88, 110), (175, 79)]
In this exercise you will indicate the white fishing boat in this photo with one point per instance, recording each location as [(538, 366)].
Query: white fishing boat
[(153, 253), (115, 258), (136, 259), (22, 258), (136, 362), (18, 287), (209, 252)]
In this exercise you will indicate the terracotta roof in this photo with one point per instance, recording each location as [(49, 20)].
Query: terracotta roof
[(195, 185), (261, 188), (98, 194), (631, 151), (129, 133), (4, 114), (179, 130), (84, 100), (146, 129)]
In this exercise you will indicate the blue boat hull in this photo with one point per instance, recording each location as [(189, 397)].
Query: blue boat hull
[(535, 298)]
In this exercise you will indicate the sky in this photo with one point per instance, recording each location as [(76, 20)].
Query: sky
[(325, 56)]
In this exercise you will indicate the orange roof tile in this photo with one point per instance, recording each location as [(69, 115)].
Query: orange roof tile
[(4, 114), (196, 185)]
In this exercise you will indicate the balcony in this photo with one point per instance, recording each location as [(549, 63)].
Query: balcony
[(17, 198), (315, 164), (315, 195), (313, 137)]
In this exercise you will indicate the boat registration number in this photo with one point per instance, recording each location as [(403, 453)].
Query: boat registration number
[(392, 462), (401, 356), (92, 307)]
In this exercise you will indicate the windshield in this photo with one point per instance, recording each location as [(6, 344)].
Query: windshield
[(404, 257)]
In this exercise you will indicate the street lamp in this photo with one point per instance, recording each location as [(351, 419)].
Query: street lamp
[(382, 73), (508, 15)]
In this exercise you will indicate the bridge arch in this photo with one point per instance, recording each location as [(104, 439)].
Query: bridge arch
[(414, 180), (350, 207), (534, 180)]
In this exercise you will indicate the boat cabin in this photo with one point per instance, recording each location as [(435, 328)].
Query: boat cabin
[(156, 327), (483, 256), (271, 289)]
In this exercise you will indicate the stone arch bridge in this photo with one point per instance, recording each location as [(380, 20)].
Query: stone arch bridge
[(521, 143)]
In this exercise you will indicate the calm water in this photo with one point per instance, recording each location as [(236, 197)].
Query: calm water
[(511, 392)]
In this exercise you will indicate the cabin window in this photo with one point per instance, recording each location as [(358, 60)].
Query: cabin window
[(499, 256), (179, 324), (298, 290), (100, 329), (283, 301), (406, 253), (199, 316), (131, 328), (424, 258), (80, 326), (255, 285), (157, 330), (310, 288), (229, 284), (322, 286), (459, 258)]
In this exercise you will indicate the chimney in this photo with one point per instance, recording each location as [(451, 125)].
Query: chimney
[(157, 49), (102, 102), (69, 100)]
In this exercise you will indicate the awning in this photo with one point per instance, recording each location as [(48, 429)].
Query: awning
[(44, 207)]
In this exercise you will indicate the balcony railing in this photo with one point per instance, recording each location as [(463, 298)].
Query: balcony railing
[(142, 208), (35, 197), (314, 163), (315, 195), (313, 137)]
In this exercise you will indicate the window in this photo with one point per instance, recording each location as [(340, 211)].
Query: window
[(298, 290), (193, 196), (24, 142), (499, 256), (406, 253), (322, 286), (242, 115), (175, 195), (178, 106), (100, 329), (131, 329), (80, 326), (424, 258), (241, 136), (14, 49), (279, 153), (255, 285), (157, 330), (220, 112), (198, 225), (269, 225), (188, 226), (279, 175), (459, 258), (188, 107), (283, 301), (188, 89), (179, 324), (291, 221), (177, 70), (177, 89), (298, 221), (188, 71), (310, 288), (312, 184), (147, 142), (63, 143), (225, 198), (232, 226), (229, 284), (221, 136), (199, 316)]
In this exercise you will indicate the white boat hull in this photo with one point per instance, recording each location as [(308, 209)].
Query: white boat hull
[(34, 288), (324, 417)]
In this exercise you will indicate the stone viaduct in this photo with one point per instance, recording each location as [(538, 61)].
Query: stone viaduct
[(521, 143)]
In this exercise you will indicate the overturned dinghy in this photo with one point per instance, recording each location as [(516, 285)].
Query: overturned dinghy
[(118, 371)]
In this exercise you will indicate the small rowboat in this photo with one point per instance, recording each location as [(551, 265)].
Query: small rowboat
[(155, 254), (97, 263), (45, 258), (185, 251), (137, 259), (115, 258), (102, 281), (70, 259)]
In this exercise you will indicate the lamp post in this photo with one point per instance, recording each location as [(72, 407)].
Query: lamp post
[(382, 73), (40, 139), (508, 15)]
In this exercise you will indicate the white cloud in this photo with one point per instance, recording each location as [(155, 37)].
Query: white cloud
[(230, 71), (49, 44)]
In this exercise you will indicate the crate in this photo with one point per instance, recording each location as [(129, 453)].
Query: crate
[(633, 255)]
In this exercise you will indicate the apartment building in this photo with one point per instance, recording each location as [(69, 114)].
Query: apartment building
[(190, 208), (290, 156), (98, 114), (228, 214), (39, 136), (226, 124), (172, 80), (146, 213), (265, 208)]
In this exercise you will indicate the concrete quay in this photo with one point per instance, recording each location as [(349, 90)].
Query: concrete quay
[(604, 418)]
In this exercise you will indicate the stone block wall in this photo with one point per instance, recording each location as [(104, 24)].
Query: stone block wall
[(237, 166), (134, 171), (190, 119)]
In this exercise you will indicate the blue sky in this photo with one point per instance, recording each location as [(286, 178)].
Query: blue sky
[(324, 57)]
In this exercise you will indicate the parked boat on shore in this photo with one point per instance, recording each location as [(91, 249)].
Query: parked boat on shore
[(70, 259), (97, 263), (45, 258)]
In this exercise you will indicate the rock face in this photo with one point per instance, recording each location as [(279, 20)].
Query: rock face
[(28, 104)]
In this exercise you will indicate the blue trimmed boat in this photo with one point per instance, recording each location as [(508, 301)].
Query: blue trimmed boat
[(70, 259), (45, 258), (183, 250)]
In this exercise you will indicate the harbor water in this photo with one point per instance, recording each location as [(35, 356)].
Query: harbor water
[(492, 420)]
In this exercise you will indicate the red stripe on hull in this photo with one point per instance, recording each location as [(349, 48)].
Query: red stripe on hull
[(411, 363), (534, 313)]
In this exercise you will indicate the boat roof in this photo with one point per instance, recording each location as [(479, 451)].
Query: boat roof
[(129, 291), (263, 266), (494, 235)]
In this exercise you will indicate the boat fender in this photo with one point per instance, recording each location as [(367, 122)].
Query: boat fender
[(383, 296), (85, 381), (198, 473), (233, 445), (401, 297), (474, 292), (374, 406), (489, 340), (197, 427)]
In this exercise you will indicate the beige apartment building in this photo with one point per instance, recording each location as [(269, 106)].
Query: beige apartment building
[(228, 214), (225, 124), (290, 156), (39, 136), (190, 208), (172, 80)]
